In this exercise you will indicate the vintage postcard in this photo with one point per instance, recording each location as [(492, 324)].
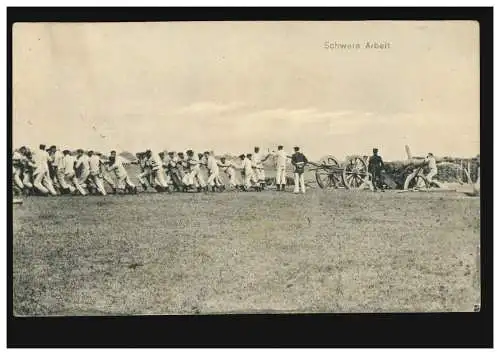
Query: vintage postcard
[(245, 167)]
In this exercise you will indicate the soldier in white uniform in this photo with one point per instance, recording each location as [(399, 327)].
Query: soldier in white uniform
[(213, 171), (157, 172), (57, 161), (95, 172), (27, 170), (195, 177), (144, 176), (183, 170), (42, 181), (228, 167), (123, 180), (249, 178), (104, 174), (53, 167), (70, 175), (431, 163), (280, 169), (82, 165), (173, 171), (257, 160), (18, 161), (165, 160)]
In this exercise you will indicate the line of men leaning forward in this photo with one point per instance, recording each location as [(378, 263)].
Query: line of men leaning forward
[(54, 172)]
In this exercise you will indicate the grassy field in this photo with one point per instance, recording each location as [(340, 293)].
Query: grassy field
[(326, 251)]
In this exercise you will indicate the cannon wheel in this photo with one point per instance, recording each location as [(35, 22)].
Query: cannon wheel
[(327, 177), (417, 181), (355, 172)]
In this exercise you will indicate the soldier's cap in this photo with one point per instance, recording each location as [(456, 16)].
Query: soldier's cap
[(113, 152), (90, 152), (53, 147), (98, 153), (256, 148), (42, 146), (148, 151), (375, 149), (249, 155), (180, 153), (242, 156), (171, 153), (189, 152), (280, 147), (66, 151), (79, 150), (207, 152), (296, 148)]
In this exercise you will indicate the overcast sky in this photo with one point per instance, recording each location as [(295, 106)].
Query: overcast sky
[(231, 85)]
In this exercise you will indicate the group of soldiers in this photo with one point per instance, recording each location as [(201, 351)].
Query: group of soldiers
[(53, 172)]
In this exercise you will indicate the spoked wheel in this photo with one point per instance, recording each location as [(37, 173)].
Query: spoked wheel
[(418, 181), (327, 176), (355, 173)]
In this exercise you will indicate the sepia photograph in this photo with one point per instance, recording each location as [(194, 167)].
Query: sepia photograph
[(199, 168)]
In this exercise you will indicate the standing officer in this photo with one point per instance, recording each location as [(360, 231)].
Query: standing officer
[(299, 162), (375, 167)]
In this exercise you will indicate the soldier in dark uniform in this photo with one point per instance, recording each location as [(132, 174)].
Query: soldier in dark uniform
[(375, 167), (299, 161)]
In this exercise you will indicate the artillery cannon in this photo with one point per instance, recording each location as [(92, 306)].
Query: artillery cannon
[(352, 174)]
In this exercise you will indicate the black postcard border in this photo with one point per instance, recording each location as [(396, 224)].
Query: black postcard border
[(473, 329)]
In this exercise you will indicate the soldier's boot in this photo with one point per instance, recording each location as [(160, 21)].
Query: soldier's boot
[(144, 187), (278, 187), (283, 187)]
